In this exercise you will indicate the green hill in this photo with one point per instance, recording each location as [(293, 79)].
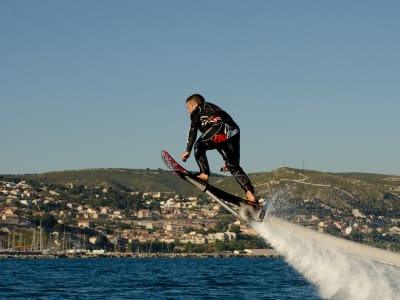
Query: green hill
[(141, 180), (372, 193)]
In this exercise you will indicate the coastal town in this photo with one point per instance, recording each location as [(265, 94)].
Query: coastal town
[(40, 219), (73, 218)]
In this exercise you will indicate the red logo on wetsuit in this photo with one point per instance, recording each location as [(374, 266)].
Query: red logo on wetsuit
[(215, 119), (219, 138)]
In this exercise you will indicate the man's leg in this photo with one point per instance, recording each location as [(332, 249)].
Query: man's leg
[(200, 149), (231, 154)]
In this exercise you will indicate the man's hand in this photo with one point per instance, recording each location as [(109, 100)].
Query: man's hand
[(185, 156)]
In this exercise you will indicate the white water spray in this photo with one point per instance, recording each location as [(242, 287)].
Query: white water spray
[(339, 268)]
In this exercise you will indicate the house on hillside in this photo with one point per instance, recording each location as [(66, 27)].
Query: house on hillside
[(84, 223), (10, 219)]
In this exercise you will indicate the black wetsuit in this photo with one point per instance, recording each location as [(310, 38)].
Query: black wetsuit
[(220, 132)]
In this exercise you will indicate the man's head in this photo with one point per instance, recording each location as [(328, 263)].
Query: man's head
[(192, 102)]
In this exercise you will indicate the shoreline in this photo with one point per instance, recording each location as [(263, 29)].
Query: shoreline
[(267, 253)]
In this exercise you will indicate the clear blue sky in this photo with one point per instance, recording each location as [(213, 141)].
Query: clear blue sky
[(88, 84)]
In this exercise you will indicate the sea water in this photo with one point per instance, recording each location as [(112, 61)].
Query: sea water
[(152, 278)]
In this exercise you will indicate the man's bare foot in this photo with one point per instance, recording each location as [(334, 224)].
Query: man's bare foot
[(203, 177), (224, 168), (250, 196)]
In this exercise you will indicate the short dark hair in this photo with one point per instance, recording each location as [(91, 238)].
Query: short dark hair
[(196, 98)]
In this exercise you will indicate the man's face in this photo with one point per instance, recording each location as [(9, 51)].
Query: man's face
[(191, 106)]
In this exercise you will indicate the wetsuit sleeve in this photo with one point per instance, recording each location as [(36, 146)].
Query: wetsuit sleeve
[(194, 126)]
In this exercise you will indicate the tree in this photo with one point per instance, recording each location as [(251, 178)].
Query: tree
[(46, 221)]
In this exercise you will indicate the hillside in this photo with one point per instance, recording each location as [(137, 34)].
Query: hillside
[(356, 206), (370, 193)]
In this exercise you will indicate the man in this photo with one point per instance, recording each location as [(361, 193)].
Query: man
[(218, 131)]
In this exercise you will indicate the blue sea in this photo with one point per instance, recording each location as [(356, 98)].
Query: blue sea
[(152, 278)]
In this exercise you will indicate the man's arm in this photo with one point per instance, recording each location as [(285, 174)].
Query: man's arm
[(194, 127)]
